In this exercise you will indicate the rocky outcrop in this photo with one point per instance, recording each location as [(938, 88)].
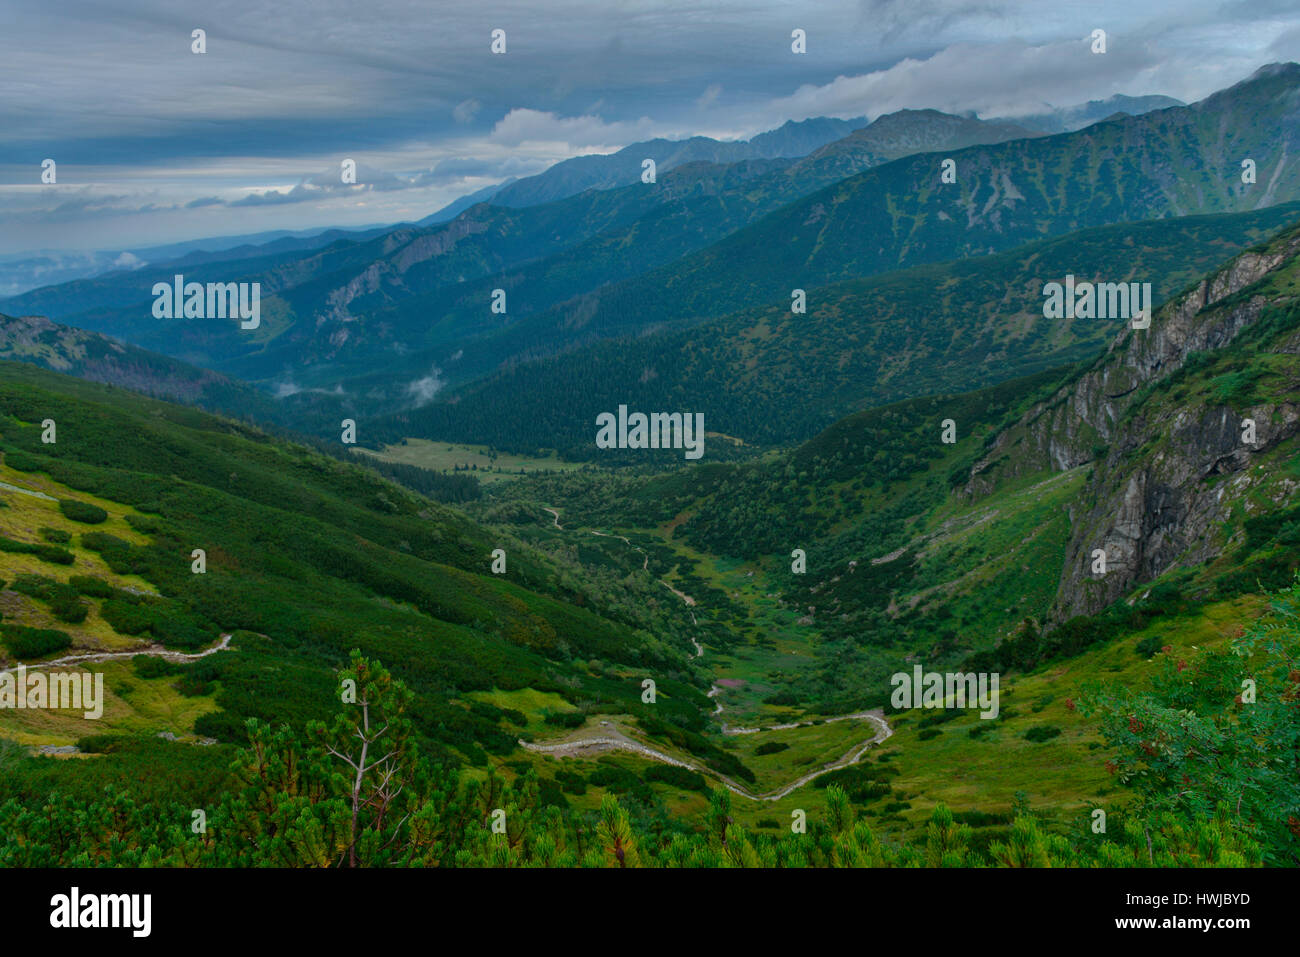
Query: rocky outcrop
[(1165, 472)]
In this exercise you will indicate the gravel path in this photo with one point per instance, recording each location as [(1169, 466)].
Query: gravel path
[(153, 651), (609, 738)]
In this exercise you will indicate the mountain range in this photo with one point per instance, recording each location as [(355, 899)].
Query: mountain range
[(634, 656)]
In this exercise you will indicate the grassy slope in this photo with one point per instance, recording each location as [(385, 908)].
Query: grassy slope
[(307, 558)]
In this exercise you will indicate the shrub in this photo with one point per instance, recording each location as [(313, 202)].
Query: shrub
[(683, 778), (126, 618), (73, 612), (100, 743), (63, 600), (145, 524), (193, 685), (46, 553), (772, 747), (612, 776), (56, 536), (566, 719), (571, 782), (22, 461), (781, 698), (82, 511), (982, 818), (1042, 732), (24, 642), (1148, 646), (94, 587), (123, 557), (147, 666), (941, 716)]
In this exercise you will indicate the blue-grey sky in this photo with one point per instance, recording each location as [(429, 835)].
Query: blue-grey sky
[(157, 144)]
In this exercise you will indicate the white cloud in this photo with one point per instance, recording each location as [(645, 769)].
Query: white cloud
[(521, 126), (709, 96), (423, 390), (1003, 79), (466, 110)]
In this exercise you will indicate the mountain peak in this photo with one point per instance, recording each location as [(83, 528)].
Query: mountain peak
[(1287, 68)]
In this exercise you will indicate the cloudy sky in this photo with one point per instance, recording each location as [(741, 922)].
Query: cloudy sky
[(154, 143)]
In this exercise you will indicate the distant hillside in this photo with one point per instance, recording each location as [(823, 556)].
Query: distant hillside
[(97, 358), (623, 168), (985, 548), (375, 316), (1175, 162), (771, 376), (905, 133)]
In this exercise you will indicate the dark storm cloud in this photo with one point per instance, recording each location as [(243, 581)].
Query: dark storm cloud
[(253, 131)]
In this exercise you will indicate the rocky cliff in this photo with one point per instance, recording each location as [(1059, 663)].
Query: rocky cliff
[(1162, 423)]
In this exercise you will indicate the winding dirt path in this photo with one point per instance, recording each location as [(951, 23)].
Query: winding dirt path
[(645, 566), (586, 742), (609, 738), (645, 561), (153, 651)]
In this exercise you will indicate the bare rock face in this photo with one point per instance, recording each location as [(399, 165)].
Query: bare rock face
[(1163, 474)]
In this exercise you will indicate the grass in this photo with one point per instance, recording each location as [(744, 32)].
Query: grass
[(1062, 773), (132, 705), (533, 704), (20, 520), (488, 465), (808, 749)]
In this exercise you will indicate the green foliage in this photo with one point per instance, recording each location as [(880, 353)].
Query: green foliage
[(64, 601), (355, 793), (148, 666), (1148, 646), (94, 587), (682, 778), (82, 511), (307, 558), (566, 719), (46, 553), (874, 334), (1195, 744), (27, 643), (1042, 732)]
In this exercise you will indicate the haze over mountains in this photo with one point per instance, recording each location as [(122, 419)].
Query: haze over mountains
[(399, 277), (410, 302), (1085, 114)]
